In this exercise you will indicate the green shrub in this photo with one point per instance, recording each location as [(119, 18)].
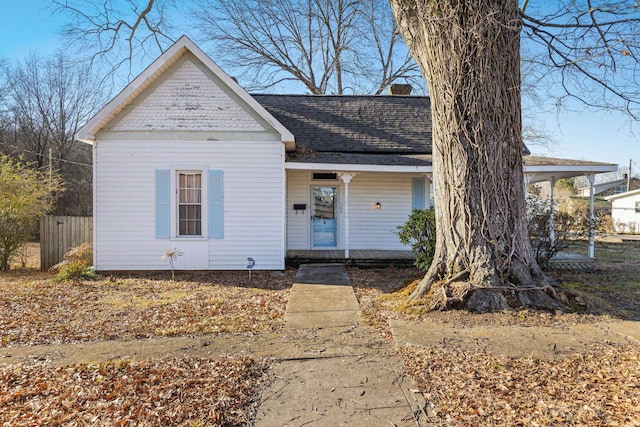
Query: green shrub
[(420, 232), (25, 195), (76, 265)]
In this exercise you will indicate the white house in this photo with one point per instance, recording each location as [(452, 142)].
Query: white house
[(185, 158), (625, 212)]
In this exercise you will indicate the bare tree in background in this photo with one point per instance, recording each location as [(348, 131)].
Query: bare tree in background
[(116, 33), (470, 54), (330, 46), (48, 100), (591, 49)]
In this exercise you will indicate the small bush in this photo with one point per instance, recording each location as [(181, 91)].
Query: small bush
[(76, 265), (568, 227), (420, 232)]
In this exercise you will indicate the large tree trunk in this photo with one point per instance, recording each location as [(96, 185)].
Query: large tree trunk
[(469, 52)]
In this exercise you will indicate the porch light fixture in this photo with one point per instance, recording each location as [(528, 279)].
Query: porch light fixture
[(378, 205)]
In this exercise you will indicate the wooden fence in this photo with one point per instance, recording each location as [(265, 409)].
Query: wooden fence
[(58, 234)]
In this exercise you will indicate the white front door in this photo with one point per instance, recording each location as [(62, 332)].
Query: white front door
[(324, 212)]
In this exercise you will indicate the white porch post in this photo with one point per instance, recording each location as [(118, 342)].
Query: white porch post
[(526, 181), (552, 213), (592, 218), (346, 178)]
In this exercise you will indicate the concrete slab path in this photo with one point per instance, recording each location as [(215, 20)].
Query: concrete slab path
[(321, 296), (341, 373)]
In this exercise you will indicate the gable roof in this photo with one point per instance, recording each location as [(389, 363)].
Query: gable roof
[(356, 129), (153, 72)]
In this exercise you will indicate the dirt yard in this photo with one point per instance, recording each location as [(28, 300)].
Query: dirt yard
[(104, 346)]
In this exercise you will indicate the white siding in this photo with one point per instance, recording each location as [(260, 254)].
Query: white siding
[(369, 228), (171, 126), (298, 192), (125, 204), (624, 216), (377, 228)]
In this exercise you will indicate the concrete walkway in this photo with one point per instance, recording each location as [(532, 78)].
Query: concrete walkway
[(321, 297), (340, 373)]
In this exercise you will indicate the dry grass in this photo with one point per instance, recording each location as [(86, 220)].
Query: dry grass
[(184, 391), (35, 309), (472, 387), (597, 386)]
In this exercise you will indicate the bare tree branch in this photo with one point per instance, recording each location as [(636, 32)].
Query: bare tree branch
[(116, 34), (593, 46), (330, 46)]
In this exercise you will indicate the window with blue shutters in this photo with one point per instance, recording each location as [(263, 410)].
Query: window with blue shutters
[(197, 211)]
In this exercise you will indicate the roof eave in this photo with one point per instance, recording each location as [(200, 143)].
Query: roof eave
[(357, 167)]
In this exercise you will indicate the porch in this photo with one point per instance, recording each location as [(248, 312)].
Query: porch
[(357, 258), (382, 259)]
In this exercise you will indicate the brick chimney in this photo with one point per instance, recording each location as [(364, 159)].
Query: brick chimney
[(400, 89)]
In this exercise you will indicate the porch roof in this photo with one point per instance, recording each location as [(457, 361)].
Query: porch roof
[(540, 168), (537, 168)]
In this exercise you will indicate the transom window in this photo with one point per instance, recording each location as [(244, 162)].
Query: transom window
[(189, 203)]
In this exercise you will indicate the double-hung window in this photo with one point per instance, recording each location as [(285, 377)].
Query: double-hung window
[(189, 203)]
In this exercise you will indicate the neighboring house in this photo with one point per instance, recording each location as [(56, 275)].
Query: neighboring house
[(611, 188), (625, 212), (185, 158)]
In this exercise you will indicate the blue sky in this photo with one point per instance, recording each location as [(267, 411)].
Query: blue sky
[(28, 26)]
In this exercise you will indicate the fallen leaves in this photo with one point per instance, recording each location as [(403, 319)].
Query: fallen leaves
[(598, 388), (160, 392), (35, 309)]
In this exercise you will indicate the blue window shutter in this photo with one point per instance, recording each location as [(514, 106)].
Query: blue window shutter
[(163, 210), (417, 193), (216, 205)]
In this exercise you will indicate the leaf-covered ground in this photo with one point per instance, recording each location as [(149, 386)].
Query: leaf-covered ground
[(161, 392), (598, 386), (35, 309)]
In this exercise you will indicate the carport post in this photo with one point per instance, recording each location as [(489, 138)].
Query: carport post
[(592, 218), (552, 213)]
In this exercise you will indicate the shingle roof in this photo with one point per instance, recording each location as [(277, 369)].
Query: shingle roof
[(534, 160), (366, 128)]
